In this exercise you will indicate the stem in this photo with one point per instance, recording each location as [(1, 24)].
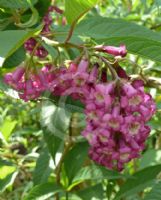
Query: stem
[(59, 166), (66, 196), (71, 31), (112, 70), (31, 58)]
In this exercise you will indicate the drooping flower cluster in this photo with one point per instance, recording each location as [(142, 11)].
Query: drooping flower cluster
[(116, 111), (116, 122)]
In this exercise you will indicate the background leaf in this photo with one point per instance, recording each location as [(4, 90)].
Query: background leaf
[(11, 40), (7, 181), (15, 4), (76, 8), (15, 59), (7, 127), (150, 157), (95, 172), (155, 193), (42, 169), (89, 193), (55, 119), (142, 179), (43, 191), (138, 39), (75, 159)]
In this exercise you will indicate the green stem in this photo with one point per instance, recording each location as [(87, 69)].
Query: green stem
[(66, 196), (59, 166)]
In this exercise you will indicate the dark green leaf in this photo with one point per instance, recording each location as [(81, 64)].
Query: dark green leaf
[(74, 9), (51, 50), (138, 39), (95, 172), (150, 157), (16, 4), (53, 142), (7, 181), (11, 40), (55, 119), (43, 191), (75, 159), (142, 179), (93, 192), (15, 59), (69, 104), (42, 169), (42, 6), (155, 193)]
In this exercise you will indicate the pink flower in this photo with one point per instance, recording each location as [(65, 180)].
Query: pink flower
[(116, 51)]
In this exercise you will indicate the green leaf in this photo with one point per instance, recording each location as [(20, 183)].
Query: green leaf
[(93, 192), (5, 170), (11, 40), (142, 179), (75, 159), (5, 163), (95, 172), (53, 143), (138, 39), (42, 7), (15, 59), (43, 191), (155, 193), (51, 50), (55, 119), (16, 4), (74, 9), (8, 174), (69, 104), (42, 169), (55, 123), (150, 157), (7, 181), (7, 128)]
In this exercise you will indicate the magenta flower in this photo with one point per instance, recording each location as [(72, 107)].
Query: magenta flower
[(115, 51)]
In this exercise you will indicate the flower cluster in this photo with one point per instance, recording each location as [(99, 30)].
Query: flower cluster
[(29, 85), (116, 122), (116, 111)]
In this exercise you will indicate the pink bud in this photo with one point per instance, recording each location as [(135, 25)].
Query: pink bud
[(83, 65), (73, 67), (29, 87), (93, 75), (8, 78), (122, 73), (17, 75), (116, 51), (138, 84)]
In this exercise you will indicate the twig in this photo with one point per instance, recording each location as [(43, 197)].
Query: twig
[(71, 31)]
